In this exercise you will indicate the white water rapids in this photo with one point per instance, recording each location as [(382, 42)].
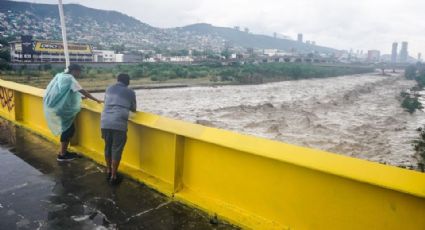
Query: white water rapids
[(357, 115)]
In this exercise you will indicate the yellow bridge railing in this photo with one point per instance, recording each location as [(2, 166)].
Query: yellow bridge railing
[(252, 182)]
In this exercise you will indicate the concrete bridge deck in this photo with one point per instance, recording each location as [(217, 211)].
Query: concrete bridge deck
[(37, 192)]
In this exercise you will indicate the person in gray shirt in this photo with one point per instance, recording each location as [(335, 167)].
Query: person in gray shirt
[(119, 101)]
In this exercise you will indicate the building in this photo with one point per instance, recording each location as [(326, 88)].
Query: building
[(183, 59), (130, 57), (403, 52), (119, 57), (111, 56), (270, 52), (104, 56), (300, 38), (419, 57), (394, 52), (373, 56), (27, 50), (246, 30)]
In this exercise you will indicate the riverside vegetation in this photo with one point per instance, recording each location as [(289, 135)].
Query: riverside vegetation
[(204, 73), (411, 103), (419, 145), (410, 100)]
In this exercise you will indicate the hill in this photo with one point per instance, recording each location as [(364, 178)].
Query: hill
[(106, 29), (245, 39), (72, 10)]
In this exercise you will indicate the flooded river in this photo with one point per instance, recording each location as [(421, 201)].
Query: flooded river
[(357, 115)]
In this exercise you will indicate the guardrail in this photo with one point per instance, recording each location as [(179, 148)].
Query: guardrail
[(252, 182)]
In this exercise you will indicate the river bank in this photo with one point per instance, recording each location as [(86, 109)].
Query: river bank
[(159, 75)]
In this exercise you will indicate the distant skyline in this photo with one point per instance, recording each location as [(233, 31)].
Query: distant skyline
[(357, 25)]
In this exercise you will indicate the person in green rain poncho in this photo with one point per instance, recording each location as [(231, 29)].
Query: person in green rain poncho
[(61, 104)]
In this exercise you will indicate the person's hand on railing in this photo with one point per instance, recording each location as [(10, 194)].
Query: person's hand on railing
[(86, 94)]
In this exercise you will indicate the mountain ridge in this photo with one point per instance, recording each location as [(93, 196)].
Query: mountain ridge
[(251, 40), (107, 28)]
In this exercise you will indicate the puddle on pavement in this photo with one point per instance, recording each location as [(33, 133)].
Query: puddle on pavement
[(37, 192)]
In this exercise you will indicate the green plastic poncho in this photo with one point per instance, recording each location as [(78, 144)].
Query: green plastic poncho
[(60, 103)]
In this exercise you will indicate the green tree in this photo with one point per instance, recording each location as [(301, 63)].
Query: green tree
[(197, 53), (226, 53), (181, 72), (410, 72), (183, 52), (118, 48), (4, 65), (5, 54), (137, 72)]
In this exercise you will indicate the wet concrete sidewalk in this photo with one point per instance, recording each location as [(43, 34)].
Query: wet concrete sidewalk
[(37, 192)]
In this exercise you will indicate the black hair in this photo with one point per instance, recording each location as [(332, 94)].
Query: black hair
[(124, 78), (76, 67)]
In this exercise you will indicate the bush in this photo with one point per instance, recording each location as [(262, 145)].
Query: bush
[(5, 54), (419, 146), (411, 104), (154, 78), (181, 72), (4, 65), (158, 78), (137, 72), (420, 80), (56, 70), (410, 72), (91, 73), (214, 79)]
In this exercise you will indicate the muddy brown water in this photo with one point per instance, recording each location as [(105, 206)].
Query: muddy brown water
[(356, 115)]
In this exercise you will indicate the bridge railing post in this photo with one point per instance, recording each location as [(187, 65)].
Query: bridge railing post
[(178, 163)]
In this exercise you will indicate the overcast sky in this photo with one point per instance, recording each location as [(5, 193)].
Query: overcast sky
[(342, 24)]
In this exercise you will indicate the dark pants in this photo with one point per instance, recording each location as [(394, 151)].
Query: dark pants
[(68, 134), (114, 143)]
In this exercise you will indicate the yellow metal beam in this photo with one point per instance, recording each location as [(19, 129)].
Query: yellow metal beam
[(252, 182)]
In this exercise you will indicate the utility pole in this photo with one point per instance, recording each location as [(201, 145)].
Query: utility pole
[(65, 41)]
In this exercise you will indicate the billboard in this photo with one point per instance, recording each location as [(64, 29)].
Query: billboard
[(57, 47)]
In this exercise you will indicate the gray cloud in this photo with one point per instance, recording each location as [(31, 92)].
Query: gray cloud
[(360, 24)]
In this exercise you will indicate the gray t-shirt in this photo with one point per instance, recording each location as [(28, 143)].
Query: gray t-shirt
[(119, 100)]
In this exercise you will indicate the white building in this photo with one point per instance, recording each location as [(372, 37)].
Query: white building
[(104, 56), (270, 52), (274, 52), (178, 59), (119, 57)]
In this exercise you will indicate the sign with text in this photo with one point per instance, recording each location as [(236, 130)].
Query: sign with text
[(57, 47)]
